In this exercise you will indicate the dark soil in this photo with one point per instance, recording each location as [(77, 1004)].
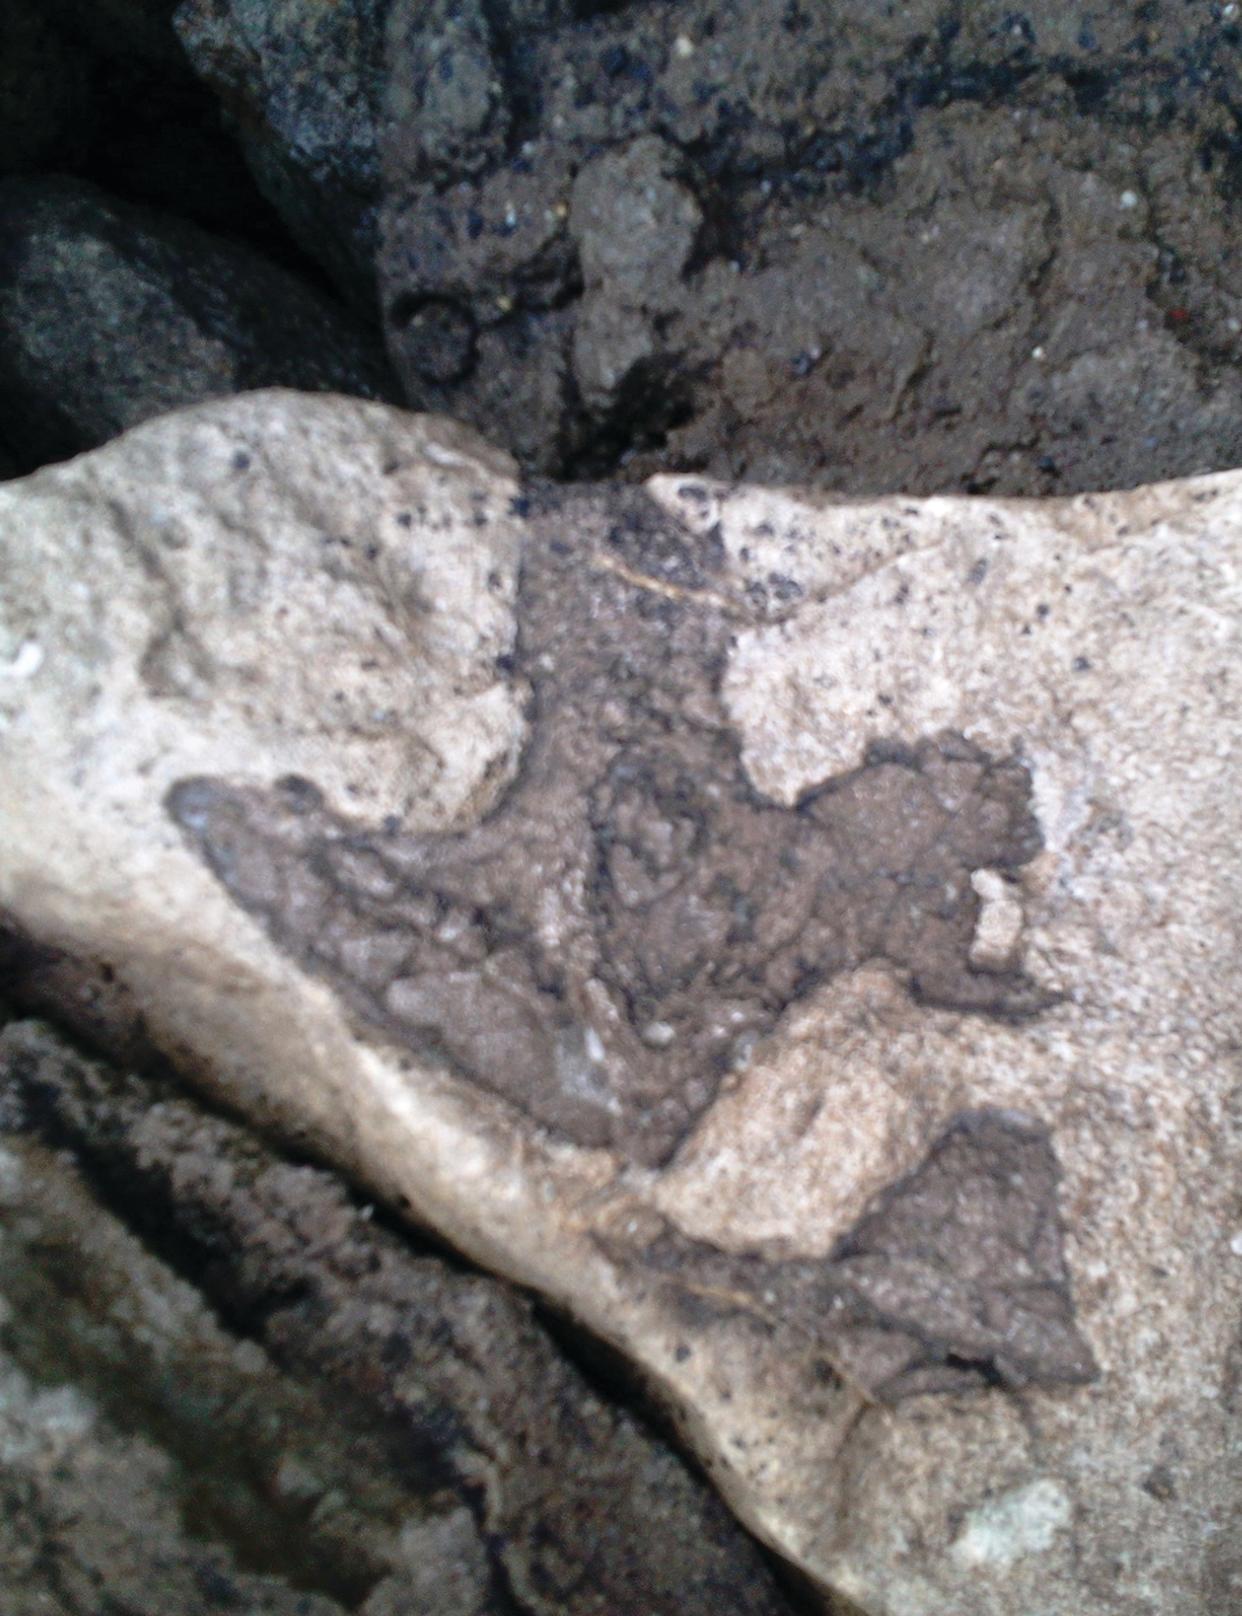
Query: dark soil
[(940, 246), (930, 247)]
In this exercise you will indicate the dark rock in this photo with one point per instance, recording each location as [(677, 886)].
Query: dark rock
[(225, 1384), (105, 91), (111, 313), (875, 249), (302, 96), (868, 247)]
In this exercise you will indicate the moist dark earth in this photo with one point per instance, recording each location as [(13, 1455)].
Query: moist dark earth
[(874, 247), (613, 939)]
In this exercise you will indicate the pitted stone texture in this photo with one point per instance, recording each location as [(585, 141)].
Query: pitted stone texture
[(940, 1285), (288, 575)]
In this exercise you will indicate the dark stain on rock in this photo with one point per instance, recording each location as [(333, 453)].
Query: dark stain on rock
[(437, 336), (953, 1280), (614, 938)]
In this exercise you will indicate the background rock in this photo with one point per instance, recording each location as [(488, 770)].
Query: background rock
[(224, 1383), (105, 91), (302, 93), (726, 799), (111, 313), (937, 249), (951, 249)]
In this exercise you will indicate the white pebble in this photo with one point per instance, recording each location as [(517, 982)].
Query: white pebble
[(26, 663)]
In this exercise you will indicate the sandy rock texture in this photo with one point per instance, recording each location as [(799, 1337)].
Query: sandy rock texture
[(794, 936)]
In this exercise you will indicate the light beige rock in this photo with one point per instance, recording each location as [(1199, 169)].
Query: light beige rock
[(1060, 1435)]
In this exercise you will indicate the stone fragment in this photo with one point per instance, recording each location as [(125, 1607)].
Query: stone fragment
[(634, 223), (111, 313), (610, 879), (998, 934)]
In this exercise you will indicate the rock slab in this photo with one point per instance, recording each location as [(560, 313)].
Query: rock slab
[(793, 935)]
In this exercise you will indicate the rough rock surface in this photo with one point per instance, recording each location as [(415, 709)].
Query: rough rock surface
[(228, 1348), (923, 247), (794, 936), (111, 313), (303, 92), (929, 247)]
